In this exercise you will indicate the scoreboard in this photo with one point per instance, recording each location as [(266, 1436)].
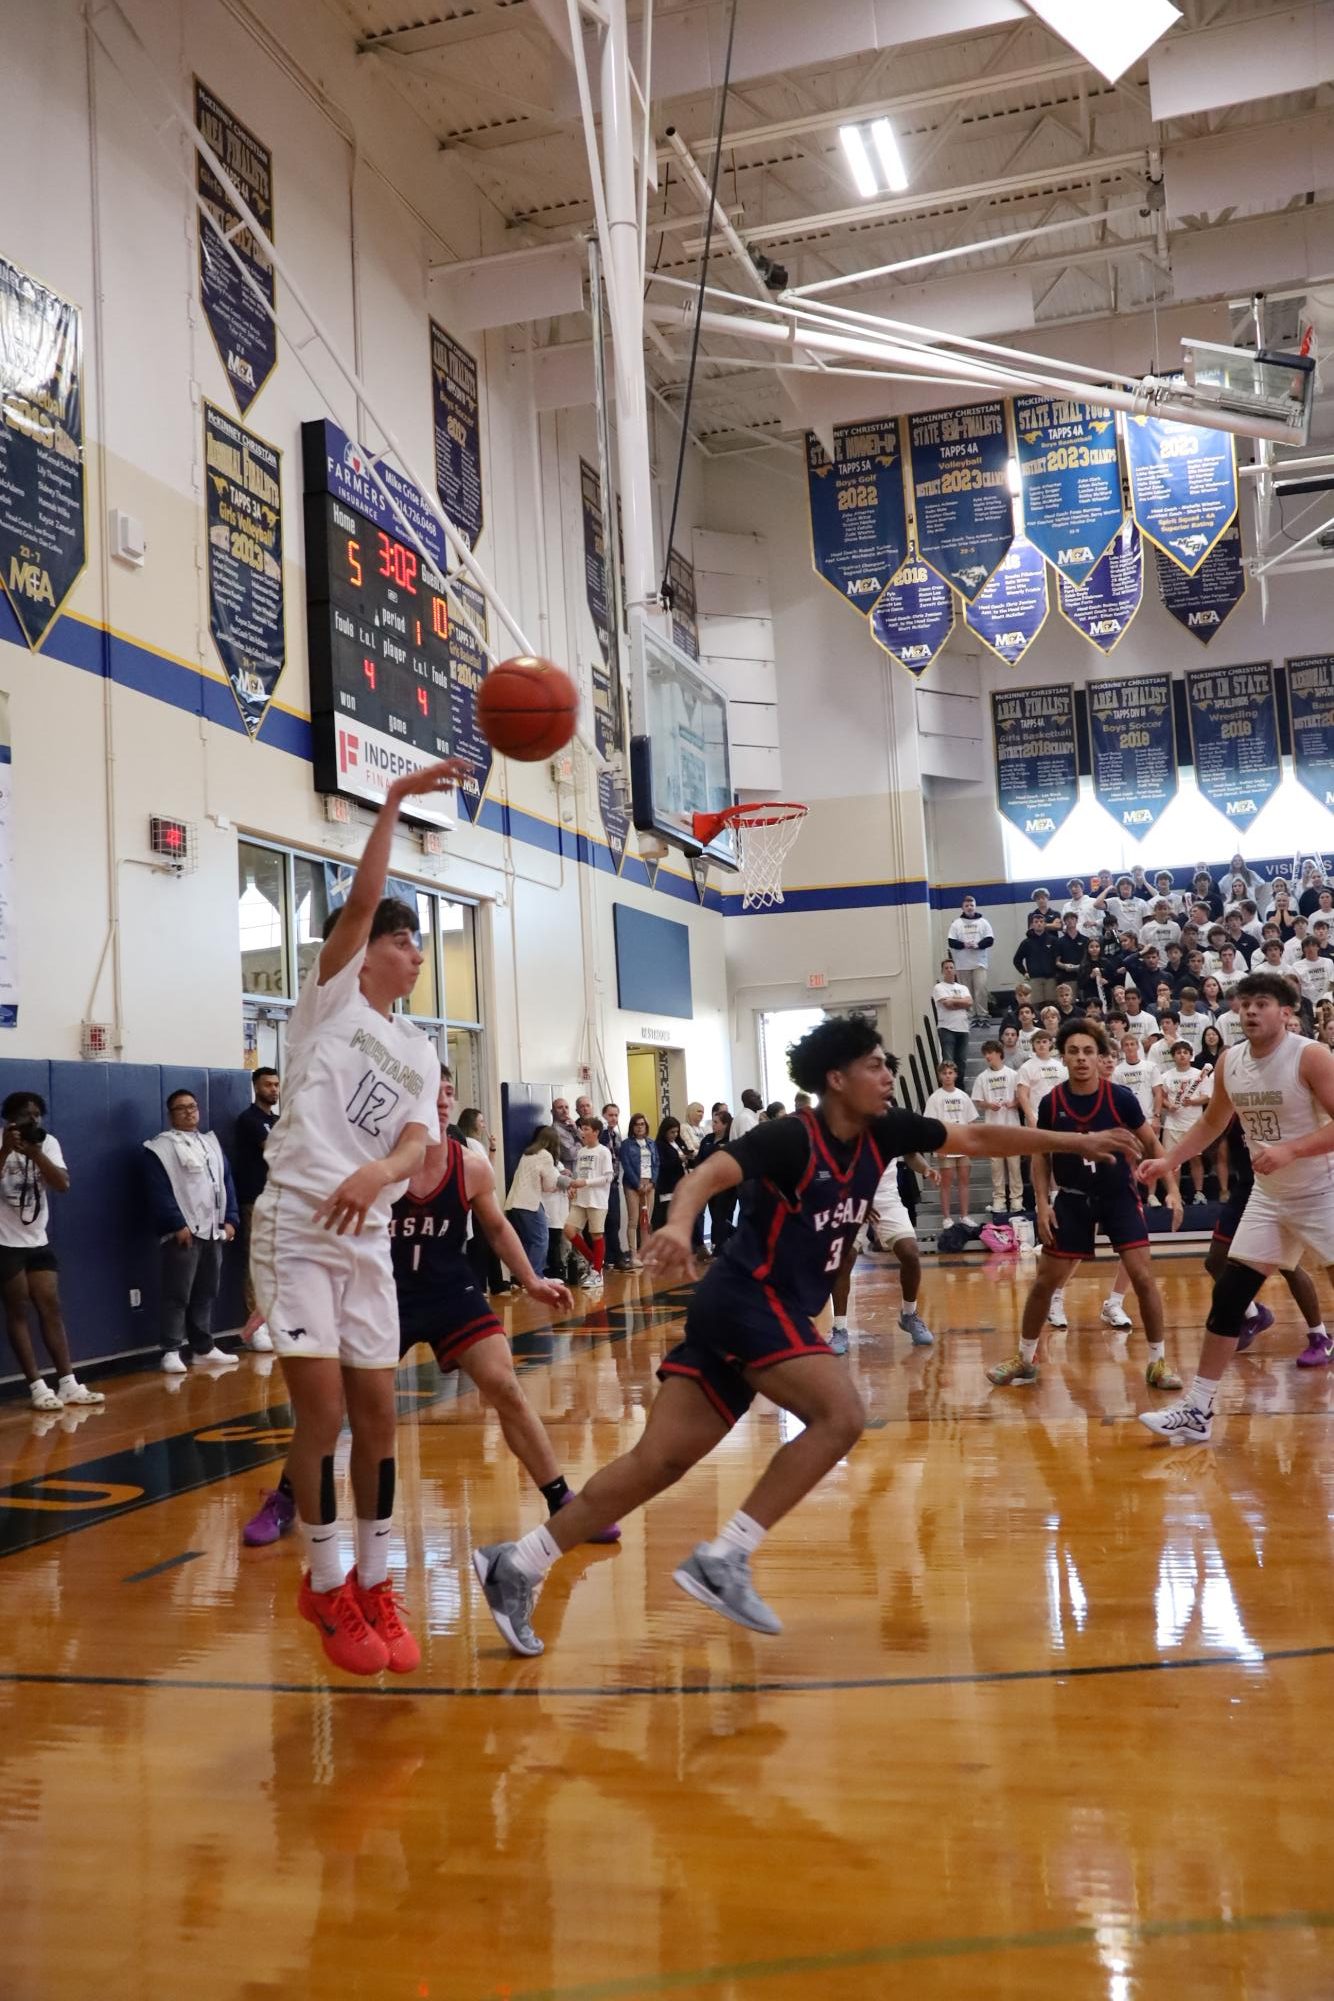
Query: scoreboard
[(377, 622)]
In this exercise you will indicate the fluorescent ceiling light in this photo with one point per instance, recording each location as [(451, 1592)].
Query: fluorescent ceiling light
[(1110, 38), (891, 160), (854, 148)]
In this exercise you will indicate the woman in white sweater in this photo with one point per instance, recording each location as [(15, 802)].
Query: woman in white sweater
[(538, 1183)]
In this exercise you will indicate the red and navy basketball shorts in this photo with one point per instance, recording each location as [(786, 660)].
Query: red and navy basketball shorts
[(449, 1319), (735, 1324), (1078, 1218)]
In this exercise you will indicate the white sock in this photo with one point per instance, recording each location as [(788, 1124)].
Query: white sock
[(841, 1322), (909, 1305), (36, 1386), (1252, 1311), (1317, 1333), (1201, 1394), (322, 1558), (1157, 1351), (536, 1552), (373, 1552), (70, 1382), (1116, 1299), (740, 1533), (1028, 1349)]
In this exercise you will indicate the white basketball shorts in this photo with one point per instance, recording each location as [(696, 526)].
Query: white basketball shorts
[(322, 1295), (892, 1221), (1272, 1234)]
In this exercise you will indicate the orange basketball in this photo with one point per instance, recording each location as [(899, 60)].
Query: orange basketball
[(527, 708)]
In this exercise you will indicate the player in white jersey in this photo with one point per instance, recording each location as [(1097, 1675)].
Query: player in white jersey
[(1281, 1087), (359, 1109)]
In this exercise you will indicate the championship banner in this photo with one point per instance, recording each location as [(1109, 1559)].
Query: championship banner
[(9, 992), (961, 493), (1202, 602), (1311, 718), (244, 511), (458, 434), (859, 525), (1234, 736), (685, 611), (914, 615), (1070, 475), (608, 708), (43, 538), (1102, 606), (1011, 608), (1133, 740), (467, 671), (1183, 486), (246, 336), (1037, 758)]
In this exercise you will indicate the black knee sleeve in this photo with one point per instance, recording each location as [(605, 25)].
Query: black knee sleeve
[(328, 1491), (1233, 1293), (384, 1497)]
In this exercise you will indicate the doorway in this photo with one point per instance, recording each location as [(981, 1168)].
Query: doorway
[(657, 1083)]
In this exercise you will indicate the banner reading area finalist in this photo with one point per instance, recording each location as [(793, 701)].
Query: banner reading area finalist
[(859, 524), (458, 434), (1311, 713), (1133, 741), (1037, 759), (1183, 486), (42, 531), (1234, 735), (244, 509), (961, 492), (1070, 472), (246, 336)]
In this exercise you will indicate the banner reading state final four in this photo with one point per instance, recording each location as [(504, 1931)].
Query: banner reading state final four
[(246, 336), (1037, 759), (1070, 473), (1011, 608), (914, 615), (961, 492), (1183, 486), (1311, 715), (1133, 740), (1202, 602), (1103, 605), (1234, 737), (42, 533), (859, 524), (458, 435)]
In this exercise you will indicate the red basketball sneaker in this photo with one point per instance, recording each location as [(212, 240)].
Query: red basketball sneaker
[(381, 1611), (347, 1639)]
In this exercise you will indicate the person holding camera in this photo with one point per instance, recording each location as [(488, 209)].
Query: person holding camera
[(193, 1209), (31, 1165)]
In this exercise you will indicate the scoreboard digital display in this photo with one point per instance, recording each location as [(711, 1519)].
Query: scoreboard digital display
[(377, 622)]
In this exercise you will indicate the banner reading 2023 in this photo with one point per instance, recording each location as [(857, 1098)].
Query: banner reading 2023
[(1134, 749), (1037, 759), (1070, 471), (859, 525), (961, 492), (1234, 734), (42, 536)]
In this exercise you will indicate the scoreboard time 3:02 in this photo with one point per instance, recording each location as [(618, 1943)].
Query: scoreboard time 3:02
[(377, 625)]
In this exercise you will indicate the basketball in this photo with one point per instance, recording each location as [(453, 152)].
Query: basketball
[(527, 708)]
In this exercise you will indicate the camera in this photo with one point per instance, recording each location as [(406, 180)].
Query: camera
[(31, 1131)]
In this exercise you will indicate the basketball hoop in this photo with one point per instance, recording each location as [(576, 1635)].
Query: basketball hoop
[(764, 833)]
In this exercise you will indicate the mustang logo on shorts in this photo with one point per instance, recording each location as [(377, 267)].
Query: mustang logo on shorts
[(291, 1333)]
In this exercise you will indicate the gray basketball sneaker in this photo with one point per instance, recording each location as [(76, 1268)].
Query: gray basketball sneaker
[(914, 1325), (509, 1595), (723, 1582), (838, 1341)]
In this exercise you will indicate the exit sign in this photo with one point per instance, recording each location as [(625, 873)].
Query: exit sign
[(816, 980)]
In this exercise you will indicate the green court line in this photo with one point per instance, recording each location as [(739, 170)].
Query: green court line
[(909, 1950)]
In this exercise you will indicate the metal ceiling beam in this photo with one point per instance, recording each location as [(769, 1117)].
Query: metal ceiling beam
[(459, 24)]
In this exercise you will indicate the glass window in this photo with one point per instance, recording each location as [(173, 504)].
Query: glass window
[(312, 907), (456, 931), (423, 999), (464, 1057), (262, 917)]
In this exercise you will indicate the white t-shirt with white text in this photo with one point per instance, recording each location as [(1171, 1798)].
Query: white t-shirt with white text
[(1039, 1075), (952, 1108), (993, 1094), (1138, 1078)]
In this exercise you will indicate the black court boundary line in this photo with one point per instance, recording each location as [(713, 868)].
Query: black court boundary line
[(982, 1678), (167, 1563)]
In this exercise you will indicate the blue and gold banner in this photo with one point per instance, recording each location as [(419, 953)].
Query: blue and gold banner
[(1011, 609), (1070, 474), (9, 992), (1103, 605), (1234, 737), (467, 671), (961, 492), (244, 512), (246, 336), (43, 535), (685, 611), (859, 524), (608, 709), (1311, 716), (1037, 758), (1133, 741), (1201, 603), (914, 615), (1183, 486), (458, 434)]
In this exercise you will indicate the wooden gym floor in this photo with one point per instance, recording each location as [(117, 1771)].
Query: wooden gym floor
[(1048, 1717)]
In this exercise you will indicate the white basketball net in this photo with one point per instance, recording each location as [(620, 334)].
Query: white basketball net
[(764, 838)]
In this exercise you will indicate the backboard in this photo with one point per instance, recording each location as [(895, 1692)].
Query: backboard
[(1261, 381), (680, 765)]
